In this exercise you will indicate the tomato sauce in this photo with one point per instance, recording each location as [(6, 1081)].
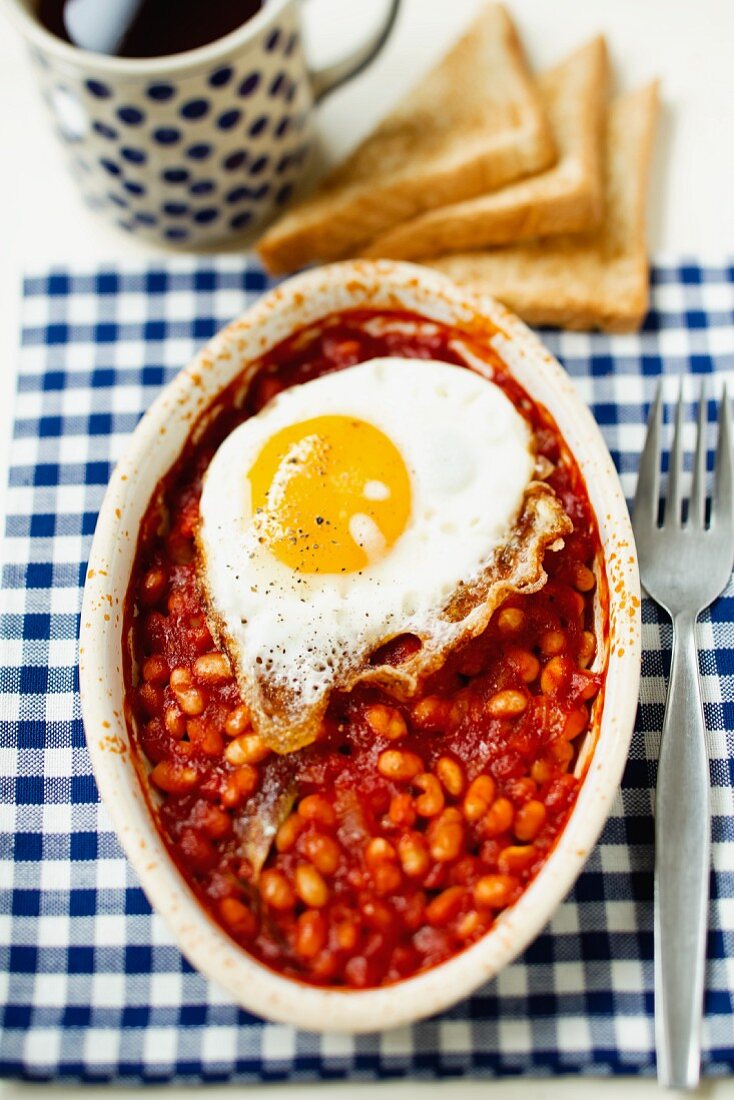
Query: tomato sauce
[(399, 836)]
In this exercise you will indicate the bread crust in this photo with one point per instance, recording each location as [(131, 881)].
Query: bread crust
[(471, 125)]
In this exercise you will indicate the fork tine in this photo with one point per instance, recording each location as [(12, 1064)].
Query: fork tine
[(647, 494), (697, 507), (675, 467), (722, 504)]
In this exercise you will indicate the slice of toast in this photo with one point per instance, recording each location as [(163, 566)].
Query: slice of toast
[(566, 198), (591, 280), (471, 125)]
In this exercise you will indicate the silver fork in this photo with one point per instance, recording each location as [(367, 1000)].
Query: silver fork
[(684, 567)]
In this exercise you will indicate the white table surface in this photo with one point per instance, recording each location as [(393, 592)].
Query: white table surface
[(687, 43)]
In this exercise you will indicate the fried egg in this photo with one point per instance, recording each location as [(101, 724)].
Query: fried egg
[(362, 505)]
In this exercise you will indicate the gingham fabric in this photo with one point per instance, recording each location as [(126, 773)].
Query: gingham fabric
[(91, 985)]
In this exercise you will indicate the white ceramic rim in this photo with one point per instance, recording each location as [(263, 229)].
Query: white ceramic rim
[(141, 67), (150, 453)]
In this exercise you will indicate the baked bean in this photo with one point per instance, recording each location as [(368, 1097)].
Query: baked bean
[(402, 812), (431, 802), (576, 722), (525, 664), (239, 785), (413, 853), (587, 649), (561, 751), (541, 770), (510, 620), (386, 722), (521, 790), (386, 878), (310, 886), (311, 934), (399, 766), (529, 820), (414, 913), (198, 635), (237, 721), (156, 670), (446, 906), (174, 778), (288, 833), (205, 736), (499, 817), (317, 808), (238, 917), (584, 580), (377, 914), (151, 698), (451, 774), (470, 925), (213, 821), (431, 713), (323, 851), (560, 793), (495, 891), (176, 603), (378, 851), (346, 935), (516, 858), (153, 587), (189, 698), (249, 748), (555, 676), (478, 798), (180, 678), (577, 602), (276, 891), (174, 722), (446, 835), (212, 668), (348, 351), (324, 966), (197, 850), (507, 704), (153, 633), (588, 687), (458, 711), (552, 642)]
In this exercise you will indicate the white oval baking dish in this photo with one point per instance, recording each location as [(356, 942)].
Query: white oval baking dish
[(152, 449)]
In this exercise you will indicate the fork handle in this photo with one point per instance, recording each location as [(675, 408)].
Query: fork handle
[(682, 860)]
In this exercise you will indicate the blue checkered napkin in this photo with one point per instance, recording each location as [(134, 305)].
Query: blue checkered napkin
[(91, 985)]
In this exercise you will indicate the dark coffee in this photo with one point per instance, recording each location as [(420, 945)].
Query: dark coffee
[(144, 28)]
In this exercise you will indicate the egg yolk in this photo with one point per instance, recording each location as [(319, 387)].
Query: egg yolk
[(329, 495)]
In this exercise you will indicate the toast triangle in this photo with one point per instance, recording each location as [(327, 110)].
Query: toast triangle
[(597, 279), (471, 125), (566, 198)]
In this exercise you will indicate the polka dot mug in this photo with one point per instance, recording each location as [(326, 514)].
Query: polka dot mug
[(194, 147)]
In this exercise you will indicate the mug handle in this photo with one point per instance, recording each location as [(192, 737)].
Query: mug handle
[(332, 76)]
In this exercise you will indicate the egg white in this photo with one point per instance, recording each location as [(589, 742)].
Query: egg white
[(469, 457)]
